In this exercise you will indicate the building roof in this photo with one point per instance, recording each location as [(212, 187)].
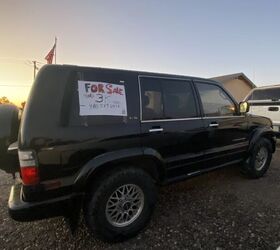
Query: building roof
[(240, 76), (269, 86)]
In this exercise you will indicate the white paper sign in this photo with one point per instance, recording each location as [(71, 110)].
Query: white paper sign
[(100, 98)]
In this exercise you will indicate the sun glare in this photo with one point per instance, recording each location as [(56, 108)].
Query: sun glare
[(15, 80)]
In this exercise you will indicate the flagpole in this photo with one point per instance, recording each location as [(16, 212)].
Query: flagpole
[(55, 50)]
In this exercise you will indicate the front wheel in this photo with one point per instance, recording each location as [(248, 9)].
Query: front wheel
[(121, 205), (259, 160)]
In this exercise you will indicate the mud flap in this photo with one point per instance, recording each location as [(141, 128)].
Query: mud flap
[(73, 214)]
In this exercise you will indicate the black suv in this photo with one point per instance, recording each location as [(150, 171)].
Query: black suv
[(102, 140)]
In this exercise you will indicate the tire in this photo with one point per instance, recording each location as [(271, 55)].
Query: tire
[(253, 167), (98, 214)]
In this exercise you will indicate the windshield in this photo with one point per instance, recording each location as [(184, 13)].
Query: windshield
[(265, 94)]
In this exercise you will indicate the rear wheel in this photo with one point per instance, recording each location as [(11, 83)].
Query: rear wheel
[(121, 205), (259, 160)]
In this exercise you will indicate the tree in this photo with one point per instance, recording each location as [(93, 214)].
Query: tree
[(23, 105), (4, 100)]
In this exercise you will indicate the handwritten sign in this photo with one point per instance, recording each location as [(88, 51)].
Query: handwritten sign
[(100, 98)]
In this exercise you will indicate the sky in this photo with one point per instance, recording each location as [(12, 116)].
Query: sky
[(188, 37)]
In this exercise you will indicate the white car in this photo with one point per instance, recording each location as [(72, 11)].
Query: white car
[(265, 101)]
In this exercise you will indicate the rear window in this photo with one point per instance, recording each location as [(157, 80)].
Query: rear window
[(265, 94)]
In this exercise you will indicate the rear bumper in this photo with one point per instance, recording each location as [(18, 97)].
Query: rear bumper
[(20, 210)]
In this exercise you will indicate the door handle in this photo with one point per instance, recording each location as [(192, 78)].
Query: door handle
[(213, 125), (151, 130), (273, 109)]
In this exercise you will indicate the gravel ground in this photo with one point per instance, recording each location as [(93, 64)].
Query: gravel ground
[(219, 210)]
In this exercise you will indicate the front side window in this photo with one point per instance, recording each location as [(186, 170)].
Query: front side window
[(215, 101), (167, 99)]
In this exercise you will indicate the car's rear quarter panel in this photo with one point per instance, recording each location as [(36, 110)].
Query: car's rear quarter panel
[(62, 149)]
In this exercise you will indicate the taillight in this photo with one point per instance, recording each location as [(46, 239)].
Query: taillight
[(28, 168), (29, 175)]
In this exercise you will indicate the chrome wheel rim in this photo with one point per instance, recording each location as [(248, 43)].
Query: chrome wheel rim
[(261, 158), (125, 205)]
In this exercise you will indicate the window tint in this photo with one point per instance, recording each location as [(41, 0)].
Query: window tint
[(215, 101), (265, 94), (73, 107), (151, 95), (178, 99), (167, 99)]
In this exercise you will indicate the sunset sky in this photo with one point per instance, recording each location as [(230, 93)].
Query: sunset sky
[(200, 38)]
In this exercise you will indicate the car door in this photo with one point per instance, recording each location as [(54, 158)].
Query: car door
[(171, 124), (227, 131)]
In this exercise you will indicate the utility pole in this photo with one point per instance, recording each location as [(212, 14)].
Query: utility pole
[(55, 50), (35, 68)]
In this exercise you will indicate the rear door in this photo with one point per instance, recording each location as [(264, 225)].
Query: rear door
[(227, 131), (171, 124)]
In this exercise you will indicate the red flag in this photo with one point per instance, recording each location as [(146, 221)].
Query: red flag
[(49, 56)]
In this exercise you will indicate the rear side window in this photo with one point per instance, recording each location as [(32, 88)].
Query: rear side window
[(265, 94), (215, 101), (72, 105), (167, 99)]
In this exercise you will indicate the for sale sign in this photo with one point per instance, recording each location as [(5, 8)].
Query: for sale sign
[(101, 98)]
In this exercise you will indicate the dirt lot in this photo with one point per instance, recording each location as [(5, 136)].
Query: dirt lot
[(220, 210)]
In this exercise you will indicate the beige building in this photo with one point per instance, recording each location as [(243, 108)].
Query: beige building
[(237, 84)]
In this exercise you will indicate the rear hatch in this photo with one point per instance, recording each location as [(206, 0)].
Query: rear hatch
[(9, 124)]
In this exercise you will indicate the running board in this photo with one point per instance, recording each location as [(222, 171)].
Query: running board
[(199, 172)]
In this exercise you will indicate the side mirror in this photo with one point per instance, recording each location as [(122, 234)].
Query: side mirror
[(243, 107)]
